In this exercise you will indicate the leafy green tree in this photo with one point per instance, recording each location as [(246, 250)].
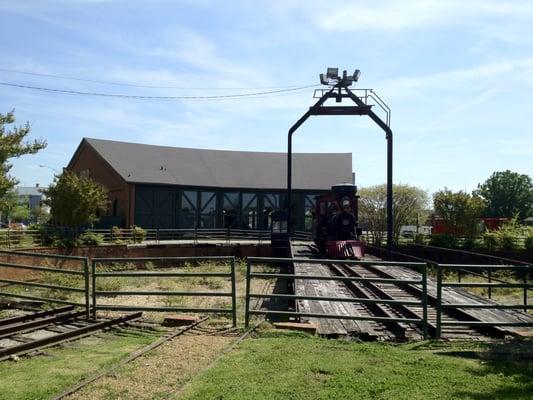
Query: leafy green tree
[(408, 203), (12, 144), (75, 201), (460, 211), (507, 194)]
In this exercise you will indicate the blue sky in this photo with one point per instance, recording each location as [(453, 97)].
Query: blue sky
[(457, 75)]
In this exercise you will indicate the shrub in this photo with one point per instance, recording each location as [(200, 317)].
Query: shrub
[(528, 243), (419, 238), (469, 243), (490, 241), (443, 240), (138, 234), (116, 234), (89, 239), (507, 241)]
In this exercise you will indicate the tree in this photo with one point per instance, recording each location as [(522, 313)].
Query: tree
[(75, 201), (8, 204), (12, 144), (460, 211), (408, 202), (507, 194)]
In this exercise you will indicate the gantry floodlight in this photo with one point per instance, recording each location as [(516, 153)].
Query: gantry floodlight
[(332, 73), (356, 75)]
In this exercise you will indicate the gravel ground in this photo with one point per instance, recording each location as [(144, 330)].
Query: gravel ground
[(163, 371)]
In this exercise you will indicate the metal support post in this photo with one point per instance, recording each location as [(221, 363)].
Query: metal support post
[(439, 302), (425, 301), (525, 290), (87, 288), (389, 194), (233, 292), (247, 298), (93, 275), (490, 281)]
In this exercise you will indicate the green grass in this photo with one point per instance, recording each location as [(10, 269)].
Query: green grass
[(44, 376), (293, 366)]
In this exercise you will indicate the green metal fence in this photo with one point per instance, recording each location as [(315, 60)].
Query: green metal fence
[(56, 290), (423, 321), (474, 270), (166, 293)]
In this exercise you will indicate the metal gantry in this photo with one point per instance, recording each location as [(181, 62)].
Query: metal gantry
[(340, 90)]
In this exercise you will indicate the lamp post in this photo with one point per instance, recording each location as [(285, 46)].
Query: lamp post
[(49, 167), (340, 90)]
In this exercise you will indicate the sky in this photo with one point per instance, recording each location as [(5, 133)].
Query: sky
[(457, 76)]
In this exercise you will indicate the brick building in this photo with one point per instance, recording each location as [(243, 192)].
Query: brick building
[(169, 187)]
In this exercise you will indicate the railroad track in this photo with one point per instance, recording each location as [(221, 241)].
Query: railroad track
[(411, 293), (29, 333)]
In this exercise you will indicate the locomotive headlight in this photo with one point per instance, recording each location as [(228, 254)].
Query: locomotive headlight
[(345, 202)]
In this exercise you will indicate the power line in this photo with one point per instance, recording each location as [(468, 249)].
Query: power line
[(141, 85), (142, 97)]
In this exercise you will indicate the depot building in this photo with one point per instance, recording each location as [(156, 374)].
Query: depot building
[(171, 187)]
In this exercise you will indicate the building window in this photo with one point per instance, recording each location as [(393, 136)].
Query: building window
[(250, 217), (230, 209), (115, 207), (309, 205), (208, 210), (85, 173), (188, 209), (271, 204)]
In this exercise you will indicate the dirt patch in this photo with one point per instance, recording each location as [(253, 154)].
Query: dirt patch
[(160, 373)]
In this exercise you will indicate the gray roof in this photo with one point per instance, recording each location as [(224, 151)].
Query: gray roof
[(29, 191), (140, 163)]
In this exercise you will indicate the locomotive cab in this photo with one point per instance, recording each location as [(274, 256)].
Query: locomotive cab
[(336, 226)]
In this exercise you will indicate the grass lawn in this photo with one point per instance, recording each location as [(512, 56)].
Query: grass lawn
[(295, 366), (44, 376)]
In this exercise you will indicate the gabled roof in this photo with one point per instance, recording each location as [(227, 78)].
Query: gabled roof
[(29, 191), (141, 163)]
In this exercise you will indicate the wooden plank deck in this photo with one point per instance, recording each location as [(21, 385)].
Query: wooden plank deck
[(330, 327), (457, 295)]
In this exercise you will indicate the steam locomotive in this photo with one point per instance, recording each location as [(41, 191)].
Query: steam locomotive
[(336, 228)]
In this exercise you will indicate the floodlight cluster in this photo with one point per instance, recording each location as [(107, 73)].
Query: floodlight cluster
[(332, 78)]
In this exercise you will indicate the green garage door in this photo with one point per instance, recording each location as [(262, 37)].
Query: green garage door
[(155, 207)]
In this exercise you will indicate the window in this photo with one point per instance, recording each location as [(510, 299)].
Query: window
[(309, 205), (85, 173), (230, 209), (249, 215), (188, 209), (271, 203), (208, 210)]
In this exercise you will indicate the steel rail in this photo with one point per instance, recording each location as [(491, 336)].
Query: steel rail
[(39, 323), (40, 314), (130, 358), (55, 339), (399, 306)]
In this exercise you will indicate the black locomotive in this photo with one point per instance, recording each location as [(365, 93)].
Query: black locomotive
[(336, 228)]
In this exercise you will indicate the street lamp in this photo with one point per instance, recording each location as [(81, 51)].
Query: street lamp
[(49, 167)]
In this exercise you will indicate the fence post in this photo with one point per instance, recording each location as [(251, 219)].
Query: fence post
[(459, 275), (425, 301), (525, 290), (490, 281), (111, 234), (157, 236), (439, 301), (233, 292), (247, 298), (8, 238), (87, 288), (94, 287)]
